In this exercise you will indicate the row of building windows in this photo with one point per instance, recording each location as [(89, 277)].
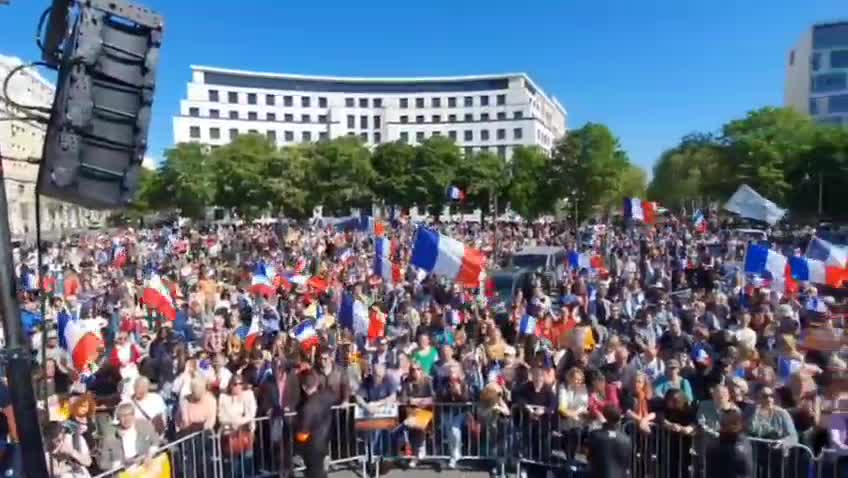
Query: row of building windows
[(838, 59), (467, 117), (254, 116), (827, 82), (288, 136), (351, 119), (835, 104), (306, 101)]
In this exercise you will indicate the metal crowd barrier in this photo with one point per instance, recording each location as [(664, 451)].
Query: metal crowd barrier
[(465, 433)]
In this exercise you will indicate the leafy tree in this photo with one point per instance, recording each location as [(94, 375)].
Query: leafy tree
[(286, 173), (240, 174), (339, 175), (527, 191), (184, 181), (480, 175), (433, 170), (634, 184), (688, 171), (824, 164), (393, 163)]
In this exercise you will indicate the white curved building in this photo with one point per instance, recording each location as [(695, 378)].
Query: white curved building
[(486, 112)]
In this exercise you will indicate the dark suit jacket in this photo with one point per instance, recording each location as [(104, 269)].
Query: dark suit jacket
[(269, 396), (112, 450)]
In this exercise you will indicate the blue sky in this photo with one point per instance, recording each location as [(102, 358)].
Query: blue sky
[(653, 70)]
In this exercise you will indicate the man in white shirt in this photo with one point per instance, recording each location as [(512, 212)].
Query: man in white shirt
[(130, 441), (148, 405)]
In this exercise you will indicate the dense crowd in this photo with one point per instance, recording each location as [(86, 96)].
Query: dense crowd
[(661, 327)]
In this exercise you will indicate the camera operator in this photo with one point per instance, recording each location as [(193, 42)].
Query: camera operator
[(68, 455)]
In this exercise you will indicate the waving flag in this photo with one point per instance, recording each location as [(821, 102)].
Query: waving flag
[(447, 257), (583, 260), (353, 315), (383, 267), (305, 334), (376, 324), (83, 340), (253, 333), (817, 272), (762, 261), (262, 283), (831, 255), (700, 221), (456, 194), (119, 256), (157, 297), (638, 210)]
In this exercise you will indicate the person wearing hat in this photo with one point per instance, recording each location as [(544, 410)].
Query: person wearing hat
[(672, 379)]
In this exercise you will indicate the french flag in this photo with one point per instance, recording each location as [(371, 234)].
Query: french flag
[(582, 260), (766, 263), (253, 333), (353, 315), (447, 257), (527, 325), (305, 334), (119, 256), (383, 267), (82, 340), (638, 210), (700, 221), (810, 270), (262, 283), (157, 296), (831, 255), (456, 194)]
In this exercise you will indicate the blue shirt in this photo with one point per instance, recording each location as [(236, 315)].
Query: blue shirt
[(372, 392)]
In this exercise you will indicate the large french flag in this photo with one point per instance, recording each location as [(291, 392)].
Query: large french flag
[(383, 266), (771, 265), (82, 340), (831, 255), (639, 210), (583, 260), (804, 269), (157, 296), (262, 283), (447, 257), (305, 334)]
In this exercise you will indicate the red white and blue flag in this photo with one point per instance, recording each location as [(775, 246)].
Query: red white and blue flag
[(157, 296), (444, 256), (262, 283), (383, 266)]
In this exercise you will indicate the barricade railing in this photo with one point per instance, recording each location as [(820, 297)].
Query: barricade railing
[(191, 456)]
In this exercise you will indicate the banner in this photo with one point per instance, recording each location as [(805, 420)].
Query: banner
[(748, 203), (158, 467)]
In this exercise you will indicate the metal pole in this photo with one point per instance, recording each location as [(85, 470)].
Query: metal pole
[(19, 361), (821, 195)]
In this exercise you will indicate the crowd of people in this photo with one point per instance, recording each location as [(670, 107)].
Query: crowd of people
[(661, 329)]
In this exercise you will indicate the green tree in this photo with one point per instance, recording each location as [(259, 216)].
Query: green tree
[(479, 176), (528, 189), (339, 175), (634, 184), (288, 181), (433, 170), (240, 174), (184, 181), (823, 168), (392, 181), (689, 171)]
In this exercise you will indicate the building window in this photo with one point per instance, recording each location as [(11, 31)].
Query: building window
[(288, 136), (469, 101), (252, 116), (452, 134), (436, 102), (517, 133), (469, 117), (518, 115), (306, 136), (502, 151), (484, 135), (437, 119), (194, 111), (839, 59), (377, 122), (214, 133), (269, 100), (419, 102), (501, 134), (322, 102), (815, 61), (194, 131), (271, 116), (501, 100), (468, 135), (404, 137), (452, 102), (828, 82), (469, 151), (404, 119), (419, 136), (288, 101), (484, 116), (351, 121), (322, 136), (252, 131), (213, 95), (251, 98), (232, 97), (288, 117), (349, 103), (363, 137), (305, 119), (501, 115), (363, 102), (233, 133), (484, 100), (378, 103), (837, 104), (452, 118), (363, 122), (404, 102), (419, 119), (272, 135), (322, 118), (214, 114), (378, 138)]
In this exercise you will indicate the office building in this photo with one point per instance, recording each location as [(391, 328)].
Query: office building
[(817, 73), (488, 112)]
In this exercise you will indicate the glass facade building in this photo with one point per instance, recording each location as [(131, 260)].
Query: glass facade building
[(817, 73)]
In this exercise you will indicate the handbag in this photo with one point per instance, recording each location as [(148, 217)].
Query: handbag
[(158, 422), (237, 441)]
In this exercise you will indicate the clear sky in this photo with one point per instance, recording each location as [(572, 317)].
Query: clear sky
[(653, 70)]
